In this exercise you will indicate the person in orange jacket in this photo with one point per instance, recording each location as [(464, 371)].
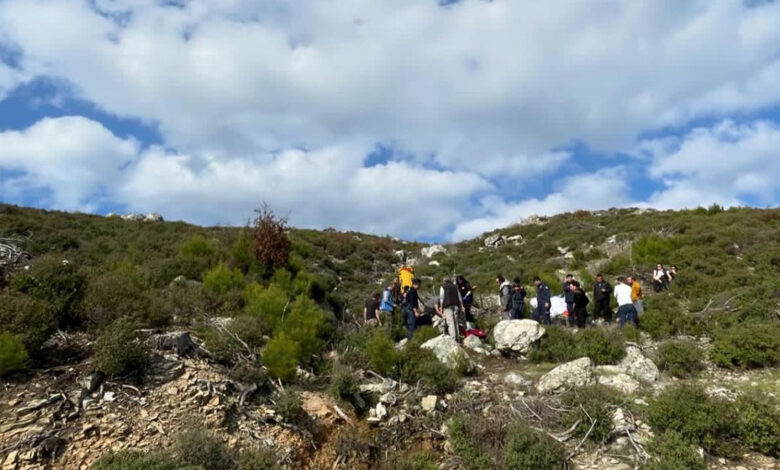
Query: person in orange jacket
[(636, 295)]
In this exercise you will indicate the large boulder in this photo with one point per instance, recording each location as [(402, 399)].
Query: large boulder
[(448, 351), (517, 335), (614, 377), (638, 365), (494, 241), (430, 251), (574, 374)]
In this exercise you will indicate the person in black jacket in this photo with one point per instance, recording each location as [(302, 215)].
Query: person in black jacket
[(568, 295), (466, 294), (580, 302), (518, 300), (543, 299), (602, 292), (411, 308)]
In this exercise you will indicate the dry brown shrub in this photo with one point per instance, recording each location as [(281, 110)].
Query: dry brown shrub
[(272, 246)]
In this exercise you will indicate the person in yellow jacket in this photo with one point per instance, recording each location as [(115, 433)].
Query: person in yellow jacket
[(636, 295), (406, 275)]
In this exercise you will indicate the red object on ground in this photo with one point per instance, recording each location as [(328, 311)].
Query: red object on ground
[(475, 332)]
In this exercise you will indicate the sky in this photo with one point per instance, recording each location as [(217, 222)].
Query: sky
[(419, 119)]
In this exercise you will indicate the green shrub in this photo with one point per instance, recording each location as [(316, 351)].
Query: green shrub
[(199, 447), (267, 303), (220, 280), (118, 351), (198, 246), (31, 320), (289, 407), (55, 282), (592, 403), (697, 417), (421, 365), (116, 294), (671, 451), (251, 373), (418, 461), (308, 325), (140, 460), (381, 353), (680, 359), (469, 444), (652, 248), (758, 425), (258, 458), (604, 346), (280, 356), (185, 302), (747, 346), (344, 386), (249, 329), (423, 334), (12, 353), (526, 449), (556, 346)]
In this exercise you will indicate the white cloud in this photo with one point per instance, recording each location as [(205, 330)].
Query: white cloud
[(68, 161), (587, 191), (723, 164)]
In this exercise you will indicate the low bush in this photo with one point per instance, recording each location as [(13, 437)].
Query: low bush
[(423, 334), (421, 365), (199, 447), (418, 461), (670, 451), (55, 282), (604, 346), (140, 460), (220, 280), (116, 294), (249, 329), (681, 359), (258, 458), (344, 386), (267, 303), (758, 425), (289, 407), (593, 403), (381, 353), (556, 346), (198, 246), (697, 417), (31, 320), (251, 373), (12, 353), (118, 351), (525, 449), (747, 346), (280, 356), (469, 444)]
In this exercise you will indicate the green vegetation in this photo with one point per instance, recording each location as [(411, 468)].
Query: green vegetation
[(670, 451), (12, 353), (747, 346), (589, 404), (118, 351), (199, 447), (140, 460), (531, 449), (681, 359), (603, 346)]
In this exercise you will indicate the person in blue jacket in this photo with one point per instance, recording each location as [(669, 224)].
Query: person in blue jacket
[(542, 311)]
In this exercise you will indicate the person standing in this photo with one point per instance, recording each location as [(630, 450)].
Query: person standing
[(660, 278), (371, 311), (626, 310), (387, 304), (450, 305), (397, 292), (636, 295), (602, 291), (580, 302), (568, 295), (467, 296), (543, 298), (411, 308), (504, 296), (518, 300), (672, 273)]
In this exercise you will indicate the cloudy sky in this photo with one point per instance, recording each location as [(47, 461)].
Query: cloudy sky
[(423, 120)]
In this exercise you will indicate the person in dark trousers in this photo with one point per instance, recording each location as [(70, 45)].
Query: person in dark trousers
[(411, 308), (450, 306), (398, 294), (580, 302), (568, 295), (602, 292), (542, 311), (504, 296), (626, 309), (518, 300), (466, 294), (371, 311)]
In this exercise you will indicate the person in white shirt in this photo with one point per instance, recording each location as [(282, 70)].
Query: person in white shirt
[(660, 278), (626, 309)]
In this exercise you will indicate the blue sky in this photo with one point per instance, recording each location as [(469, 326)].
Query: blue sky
[(429, 121)]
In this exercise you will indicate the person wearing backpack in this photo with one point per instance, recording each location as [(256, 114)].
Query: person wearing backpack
[(504, 296), (580, 302), (387, 304), (543, 302), (518, 300), (602, 291), (450, 306)]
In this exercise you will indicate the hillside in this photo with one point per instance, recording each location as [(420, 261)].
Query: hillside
[(279, 375)]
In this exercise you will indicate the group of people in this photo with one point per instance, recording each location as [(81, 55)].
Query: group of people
[(454, 302)]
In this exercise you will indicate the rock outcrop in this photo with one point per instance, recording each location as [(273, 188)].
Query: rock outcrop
[(448, 351), (430, 251), (517, 336), (638, 365), (614, 377), (494, 241), (574, 374)]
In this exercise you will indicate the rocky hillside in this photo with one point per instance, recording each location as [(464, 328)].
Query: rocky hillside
[(130, 344)]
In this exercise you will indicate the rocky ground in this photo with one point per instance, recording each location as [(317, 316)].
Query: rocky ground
[(65, 417)]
